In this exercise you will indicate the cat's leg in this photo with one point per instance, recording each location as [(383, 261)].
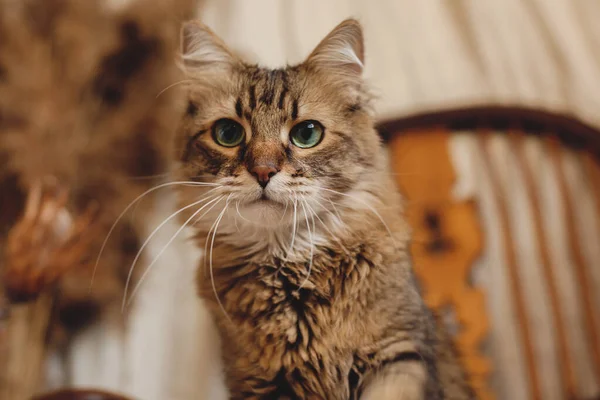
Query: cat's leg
[(397, 380), (399, 368)]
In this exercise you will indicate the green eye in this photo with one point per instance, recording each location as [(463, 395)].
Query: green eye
[(228, 133), (307, 134)]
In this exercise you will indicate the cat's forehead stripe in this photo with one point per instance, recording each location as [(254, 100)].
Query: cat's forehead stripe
[(267, 87), (295, 109), (252, 96), (282, 97), (238, 107)]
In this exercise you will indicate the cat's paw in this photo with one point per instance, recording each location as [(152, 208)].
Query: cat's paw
[(400, 381), (394, 391), (45, 243)]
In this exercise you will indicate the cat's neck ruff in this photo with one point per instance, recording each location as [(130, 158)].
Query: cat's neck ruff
[(297, 232)]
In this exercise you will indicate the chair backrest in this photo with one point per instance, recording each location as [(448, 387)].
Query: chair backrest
[(505, 208), (80, 394)]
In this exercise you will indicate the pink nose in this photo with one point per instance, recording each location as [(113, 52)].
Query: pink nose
[(263, 173)]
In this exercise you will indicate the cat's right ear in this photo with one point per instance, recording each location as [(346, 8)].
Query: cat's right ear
[(203, 51), (342, 51)]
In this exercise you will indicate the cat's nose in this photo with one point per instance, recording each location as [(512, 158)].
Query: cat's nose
[(263, 173)]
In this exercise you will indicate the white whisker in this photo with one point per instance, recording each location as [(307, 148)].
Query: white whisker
[(173, 85), (149, 176), (212, 243), (149, 267), (315, 215), (235, 220), (284, 211), (368, 206), (134, 211), (140, 251), (237, 209), (337, 212), (336, 216), (294, 223), (312, 244), (114, 225), (207, 211)]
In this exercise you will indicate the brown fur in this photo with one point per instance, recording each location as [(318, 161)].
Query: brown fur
[(309, 279), (79, 85)]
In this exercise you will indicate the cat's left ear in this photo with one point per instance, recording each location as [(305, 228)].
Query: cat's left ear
[(202, 50), (342, 50)]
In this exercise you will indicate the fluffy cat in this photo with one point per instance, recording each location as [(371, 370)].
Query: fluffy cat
[(306, 271)]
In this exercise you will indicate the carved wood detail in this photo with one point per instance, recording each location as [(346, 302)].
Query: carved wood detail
[(447, 239)]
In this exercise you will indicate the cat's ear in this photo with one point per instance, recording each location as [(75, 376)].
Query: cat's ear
[(203, 50), (342, 50)]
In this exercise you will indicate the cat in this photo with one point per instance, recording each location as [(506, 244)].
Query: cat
[(307, 271)]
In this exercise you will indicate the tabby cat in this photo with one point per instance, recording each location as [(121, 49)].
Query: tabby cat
[(306, 270)]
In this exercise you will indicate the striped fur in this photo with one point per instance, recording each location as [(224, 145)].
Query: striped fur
[(309, 279)]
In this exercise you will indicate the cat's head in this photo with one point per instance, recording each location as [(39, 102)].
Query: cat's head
[(273, 141)]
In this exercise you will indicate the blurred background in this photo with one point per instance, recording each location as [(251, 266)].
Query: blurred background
[(491, 111)]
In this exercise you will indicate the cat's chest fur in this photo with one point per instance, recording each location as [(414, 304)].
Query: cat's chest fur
[(287, 335)]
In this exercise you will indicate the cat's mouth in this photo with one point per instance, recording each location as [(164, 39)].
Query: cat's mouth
[(266, 200)]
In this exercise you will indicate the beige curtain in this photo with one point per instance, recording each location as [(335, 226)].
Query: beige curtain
[(428, 55)]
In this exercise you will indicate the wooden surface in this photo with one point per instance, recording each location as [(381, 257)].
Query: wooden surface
[(24, 348), (579, 264), (447, 240), (500, 197), (80, 394), (566, 362)]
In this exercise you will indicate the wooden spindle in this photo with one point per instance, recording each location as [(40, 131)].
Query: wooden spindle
[(548, 268), (500, 197), (579, 264)]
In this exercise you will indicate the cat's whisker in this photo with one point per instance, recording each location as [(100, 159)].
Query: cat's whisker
[(134, 211), (160, 253), (315, 215), (237, 209), (205, 258), (209, 231), (373, 210), (173, 85), (235, 220), (114, 225), (212, 243), (312, 244), (145, 244), (206, 243), (335, 209), (207, 211), (141, 177), (294, 223), (284, 211), (337, 215)]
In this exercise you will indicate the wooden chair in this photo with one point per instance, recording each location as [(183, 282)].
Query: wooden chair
[(80, 395), (505, 207)]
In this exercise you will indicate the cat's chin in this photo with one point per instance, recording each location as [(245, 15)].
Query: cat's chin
[(263, 212)]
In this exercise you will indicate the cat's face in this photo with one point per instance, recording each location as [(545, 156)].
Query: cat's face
[(277, 140)]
